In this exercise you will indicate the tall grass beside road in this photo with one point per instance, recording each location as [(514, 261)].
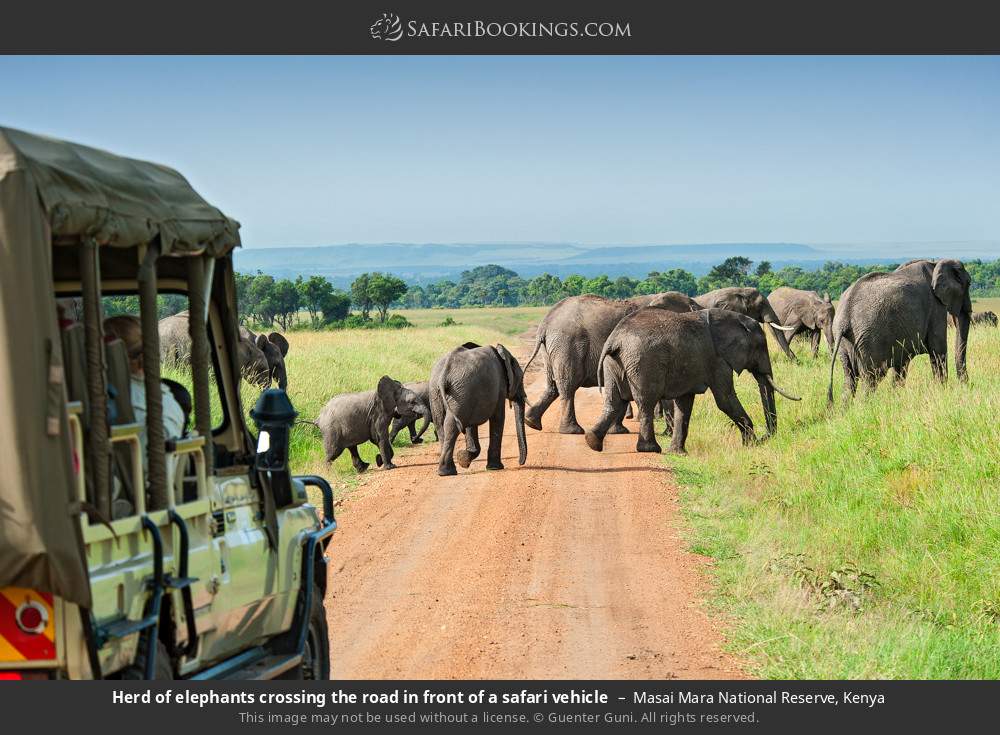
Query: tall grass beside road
[(863, 540)]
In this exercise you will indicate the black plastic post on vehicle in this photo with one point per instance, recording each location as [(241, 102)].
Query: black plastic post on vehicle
[(150, 634), (324, 487), (183, 582)]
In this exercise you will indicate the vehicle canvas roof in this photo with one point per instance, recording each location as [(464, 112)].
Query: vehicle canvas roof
[(53, 191)]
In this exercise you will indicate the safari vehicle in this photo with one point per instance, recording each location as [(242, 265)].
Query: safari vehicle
[(125, 553)]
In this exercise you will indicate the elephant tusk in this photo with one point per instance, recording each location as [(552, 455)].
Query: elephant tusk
[(782, 327), (789, 396)]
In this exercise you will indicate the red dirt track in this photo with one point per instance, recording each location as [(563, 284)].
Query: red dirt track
[(568, 567)]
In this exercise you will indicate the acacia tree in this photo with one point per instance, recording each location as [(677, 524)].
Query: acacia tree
[(359, 294), (383, 290)]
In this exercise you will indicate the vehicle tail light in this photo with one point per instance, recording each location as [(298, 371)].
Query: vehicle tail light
[(27, 629)]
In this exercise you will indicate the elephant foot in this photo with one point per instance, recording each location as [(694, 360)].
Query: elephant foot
[(464, 457), (378, 460), (619, 429), (498, 465), (389, 466), (534, 423), (361, 467), (416, 440), (594, 441), (678, 450), (571, 429), (647, 446), (447, 471)]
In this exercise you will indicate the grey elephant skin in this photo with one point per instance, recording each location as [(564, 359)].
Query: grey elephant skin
[(806, 312), (422, 391), (470, 386), (571, 337), (749, 302), (654, 354), (262, 357), (351, 419), (884, 320)]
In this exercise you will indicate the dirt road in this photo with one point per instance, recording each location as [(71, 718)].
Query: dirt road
[(568, 567)]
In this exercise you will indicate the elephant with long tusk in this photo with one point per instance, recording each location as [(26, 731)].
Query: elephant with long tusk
[(752, 303), (654, 354)]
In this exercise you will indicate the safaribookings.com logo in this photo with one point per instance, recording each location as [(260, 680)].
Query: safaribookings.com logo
[(390, 28)]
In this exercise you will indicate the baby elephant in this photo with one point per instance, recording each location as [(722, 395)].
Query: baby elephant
[(469, 386), (351, 419), (654, 354), (399, 423)]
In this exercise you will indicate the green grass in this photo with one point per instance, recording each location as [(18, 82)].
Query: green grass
[(861, 541)]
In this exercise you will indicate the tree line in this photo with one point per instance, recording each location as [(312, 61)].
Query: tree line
[(281, 303)]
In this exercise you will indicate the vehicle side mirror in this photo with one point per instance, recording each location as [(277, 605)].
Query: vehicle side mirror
[(274, 416)]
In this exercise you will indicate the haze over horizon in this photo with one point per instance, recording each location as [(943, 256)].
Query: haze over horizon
[(596, 151)]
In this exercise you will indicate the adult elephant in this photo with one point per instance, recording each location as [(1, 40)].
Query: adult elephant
[(654, 354), (806, 312), (571, 337), (471, 386), (886, 319), (749, 302), (262, 357)]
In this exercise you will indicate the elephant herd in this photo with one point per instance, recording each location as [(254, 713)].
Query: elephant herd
[(659, 351)]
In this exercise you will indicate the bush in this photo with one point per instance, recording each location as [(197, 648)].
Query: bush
[(397, 321), (448, 322)]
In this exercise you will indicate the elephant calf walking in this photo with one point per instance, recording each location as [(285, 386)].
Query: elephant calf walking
[(470, 386), (351, 419), (655, 354), (422, 392)]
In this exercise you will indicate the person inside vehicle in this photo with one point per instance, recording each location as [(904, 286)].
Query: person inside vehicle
[(128, 329)]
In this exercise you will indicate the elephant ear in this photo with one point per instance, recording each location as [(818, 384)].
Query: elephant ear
[(386, 393), (808, 315), (826, 298), (261, 341), (731, 336), (279, 341), (508, 362), (470, 346), (950, 283)]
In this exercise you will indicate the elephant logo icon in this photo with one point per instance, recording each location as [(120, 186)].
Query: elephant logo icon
[(387, 28)]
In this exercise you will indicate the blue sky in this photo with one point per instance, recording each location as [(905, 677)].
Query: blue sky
[(327, 150)]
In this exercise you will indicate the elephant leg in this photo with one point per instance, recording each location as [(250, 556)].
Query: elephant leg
[(849, 361), (629, 414), (449, 434), (569, 424), (937, 349), (465, 456), (496, 439), (666, 407), (415, 437), (359, 464), (533, 416), (611, 415), (333, 453), (873, 376), (647, 435), (384, 458), (397, 426), (899, 372), (725, 398), (683, 407)]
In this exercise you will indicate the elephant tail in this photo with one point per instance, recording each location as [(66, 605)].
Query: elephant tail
[(833, 364), (539, 341), (450, 405), (609, 349)]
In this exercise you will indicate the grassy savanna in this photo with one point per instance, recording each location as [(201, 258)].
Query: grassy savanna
[(861, 541)]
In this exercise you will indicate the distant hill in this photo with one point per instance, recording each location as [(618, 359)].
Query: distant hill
[(428, 262)]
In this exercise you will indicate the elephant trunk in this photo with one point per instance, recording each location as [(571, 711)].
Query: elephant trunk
[(828, 333), (522, 440), (770, 317), (963, 320), (767, 401)]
